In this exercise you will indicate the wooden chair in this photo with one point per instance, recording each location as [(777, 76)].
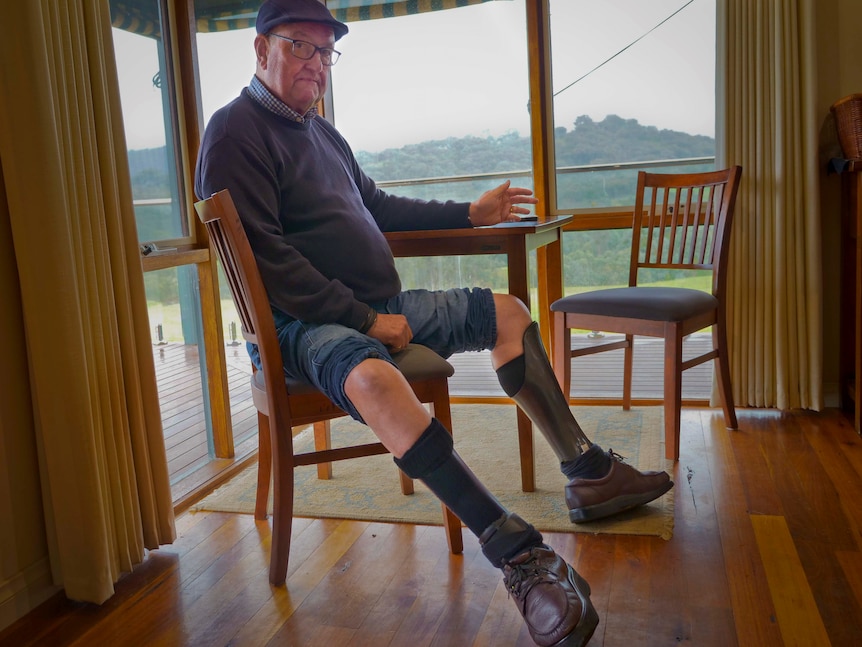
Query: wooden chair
[(681, 222), (284, 404)]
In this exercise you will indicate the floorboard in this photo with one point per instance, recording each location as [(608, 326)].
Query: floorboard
[(766, 551)]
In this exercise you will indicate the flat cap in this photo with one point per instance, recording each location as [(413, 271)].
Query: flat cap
[(273, 13)]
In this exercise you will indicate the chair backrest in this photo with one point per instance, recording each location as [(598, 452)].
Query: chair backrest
[(227, 237), (682, 221)]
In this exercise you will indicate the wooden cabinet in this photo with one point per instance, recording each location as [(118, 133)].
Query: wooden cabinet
[(850, 364)]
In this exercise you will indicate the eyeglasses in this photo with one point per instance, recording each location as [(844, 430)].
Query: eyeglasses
[(306, 51)]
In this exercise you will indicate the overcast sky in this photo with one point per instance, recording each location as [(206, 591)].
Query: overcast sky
[(463, 71)]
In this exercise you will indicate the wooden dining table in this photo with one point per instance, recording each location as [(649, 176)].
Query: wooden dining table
[(515, 240)]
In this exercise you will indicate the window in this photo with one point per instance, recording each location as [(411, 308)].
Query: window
[(225, 64), (634, 87), (148, 103), (435, 106), (194, 432), (443, 83)]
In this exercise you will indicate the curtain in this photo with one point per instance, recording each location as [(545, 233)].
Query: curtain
[(102, 462), (767, 123)]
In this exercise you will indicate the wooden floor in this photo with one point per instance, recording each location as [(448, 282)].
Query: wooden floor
[(767, 550), (194, 469)]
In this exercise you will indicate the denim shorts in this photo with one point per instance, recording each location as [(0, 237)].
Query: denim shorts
[(446, 321)]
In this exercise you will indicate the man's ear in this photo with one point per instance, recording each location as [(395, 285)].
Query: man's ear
[(261, 50)]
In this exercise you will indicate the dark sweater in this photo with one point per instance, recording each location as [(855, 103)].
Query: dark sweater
[(312, 217)]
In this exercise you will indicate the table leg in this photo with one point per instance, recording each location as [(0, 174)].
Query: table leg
[(519, 286), (549, 260), (525, 450)]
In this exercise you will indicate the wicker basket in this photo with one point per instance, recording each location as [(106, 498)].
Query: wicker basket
[(848, 119)]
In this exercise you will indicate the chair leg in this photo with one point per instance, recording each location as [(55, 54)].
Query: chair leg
[(562, 354), (454, 537), (323, 440), (526, 451), (282, 514), (453, 531), (672, 390), (628, 367), (264, 466), (725, 388), (406, 483)]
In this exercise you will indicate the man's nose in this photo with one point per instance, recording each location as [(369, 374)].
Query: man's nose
[(316, 61)]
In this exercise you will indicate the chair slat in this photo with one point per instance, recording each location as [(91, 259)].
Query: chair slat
[(225, 251)]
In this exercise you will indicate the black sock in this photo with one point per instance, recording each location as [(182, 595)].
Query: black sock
[(508, 537), (592, 464), (433, 460)]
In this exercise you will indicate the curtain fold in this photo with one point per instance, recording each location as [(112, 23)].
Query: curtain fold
[(767, 123), (103, 467)]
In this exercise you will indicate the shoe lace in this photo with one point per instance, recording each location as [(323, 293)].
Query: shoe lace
[(616, 457), (523, 577)]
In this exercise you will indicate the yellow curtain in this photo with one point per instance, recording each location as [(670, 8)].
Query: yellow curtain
[(768, 124), (102, 462)]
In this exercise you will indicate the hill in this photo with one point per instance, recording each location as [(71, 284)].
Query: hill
[(588, 142), (591, 258)]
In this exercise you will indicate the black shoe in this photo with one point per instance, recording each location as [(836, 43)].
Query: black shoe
[(553, 599)]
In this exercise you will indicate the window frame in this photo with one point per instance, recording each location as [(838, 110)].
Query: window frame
[(181, 60)]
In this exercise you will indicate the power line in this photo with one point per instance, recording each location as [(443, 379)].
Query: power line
[(639, 38)]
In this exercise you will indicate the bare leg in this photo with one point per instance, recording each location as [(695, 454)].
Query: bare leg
[(512, 320), (423, 449), (384, 399)]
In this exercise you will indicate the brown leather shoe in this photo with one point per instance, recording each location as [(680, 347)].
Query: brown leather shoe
[(621, 489), (553, 599)]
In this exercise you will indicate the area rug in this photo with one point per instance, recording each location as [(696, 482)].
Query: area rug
[(486, 438)]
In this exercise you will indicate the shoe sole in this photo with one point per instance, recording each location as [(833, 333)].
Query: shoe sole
[(585, 628), (616, 505)]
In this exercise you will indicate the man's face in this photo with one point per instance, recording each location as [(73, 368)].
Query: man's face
[(298, 83)]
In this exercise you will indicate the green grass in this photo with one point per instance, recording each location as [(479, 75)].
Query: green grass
[(701, 282)]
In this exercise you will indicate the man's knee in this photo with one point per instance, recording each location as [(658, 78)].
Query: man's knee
[(371, 378), (511, 312), (332, 355)]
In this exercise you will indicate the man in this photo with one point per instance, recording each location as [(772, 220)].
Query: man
[(314, 221)]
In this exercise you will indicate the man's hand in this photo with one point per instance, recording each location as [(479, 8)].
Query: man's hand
[(392, 330), (500, 205)]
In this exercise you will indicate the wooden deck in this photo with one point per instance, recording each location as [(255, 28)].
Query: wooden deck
[(597, 376), (191, 462)]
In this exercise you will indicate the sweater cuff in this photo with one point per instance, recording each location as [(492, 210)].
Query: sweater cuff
[(370, 319)]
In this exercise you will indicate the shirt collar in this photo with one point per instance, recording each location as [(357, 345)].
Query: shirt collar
[(268, 100)]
